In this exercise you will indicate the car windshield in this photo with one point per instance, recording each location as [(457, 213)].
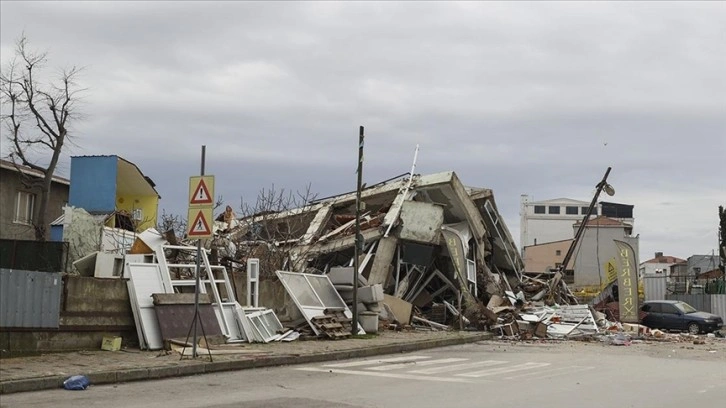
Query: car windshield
[(685, 307)]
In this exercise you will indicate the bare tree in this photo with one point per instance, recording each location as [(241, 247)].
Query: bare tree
[(172, 223), (38, 117), (273, 225)]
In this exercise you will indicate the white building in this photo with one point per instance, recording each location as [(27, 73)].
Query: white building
[(660, 265), (552, 220), (597, 249)]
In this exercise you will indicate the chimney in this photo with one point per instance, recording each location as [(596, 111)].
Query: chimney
[(658, 254)]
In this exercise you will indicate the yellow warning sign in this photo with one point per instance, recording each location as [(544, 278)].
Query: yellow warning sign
[(199, 223), (611, 272), (201, 191)]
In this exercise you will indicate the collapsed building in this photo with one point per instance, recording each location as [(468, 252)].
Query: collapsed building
[(426, 239)]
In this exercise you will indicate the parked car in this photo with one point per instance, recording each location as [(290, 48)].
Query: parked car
[(678, 315)]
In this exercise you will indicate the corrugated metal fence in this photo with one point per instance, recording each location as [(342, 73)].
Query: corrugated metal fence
[(715, 304), (654, 287), (29, 299), (700, 302)]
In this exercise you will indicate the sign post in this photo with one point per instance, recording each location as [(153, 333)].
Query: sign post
[(199, 225)]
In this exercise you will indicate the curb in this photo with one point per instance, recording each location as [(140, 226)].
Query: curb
[(202, 367)]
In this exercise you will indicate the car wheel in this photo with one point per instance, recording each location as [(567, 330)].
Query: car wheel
[(694, 328)]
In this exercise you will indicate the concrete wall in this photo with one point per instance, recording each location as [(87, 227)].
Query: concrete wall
[(596, 249), (538, 257), (93, 185), (90, 309), (272, 295), (543, 230), (9, 186)]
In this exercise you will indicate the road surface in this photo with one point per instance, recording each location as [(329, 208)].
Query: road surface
[(473, 375)]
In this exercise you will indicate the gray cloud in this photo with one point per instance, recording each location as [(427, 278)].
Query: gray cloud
[(535, 98)]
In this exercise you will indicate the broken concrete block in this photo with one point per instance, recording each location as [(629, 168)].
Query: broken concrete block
[(370, 294), (540, 330), (495, 301), (401, 310), (423, 299), (374, 307), (380, 271)]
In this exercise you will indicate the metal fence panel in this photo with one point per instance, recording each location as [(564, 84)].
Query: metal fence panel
[(29, 299), (718, 305), (700, 302), (654, 287)]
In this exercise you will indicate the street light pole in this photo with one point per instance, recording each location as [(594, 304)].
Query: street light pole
[(581, 229)]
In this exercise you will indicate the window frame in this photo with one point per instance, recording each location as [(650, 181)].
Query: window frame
[(656, 307), (543, 209), (668, 308), (550, 209), (27, 200), (570, 208)]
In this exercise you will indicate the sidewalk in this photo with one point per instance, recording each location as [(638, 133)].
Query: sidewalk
[(103, 367)]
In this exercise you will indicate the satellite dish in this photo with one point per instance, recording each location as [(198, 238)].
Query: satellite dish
[(609, 189)]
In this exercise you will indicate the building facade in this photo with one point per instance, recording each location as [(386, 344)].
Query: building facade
[(597, 251), (552, 220), (19, 204), (546, 257), (659, 265), (699, 264), (113, 185)]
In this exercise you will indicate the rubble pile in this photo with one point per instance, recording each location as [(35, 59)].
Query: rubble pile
[(432, 251)]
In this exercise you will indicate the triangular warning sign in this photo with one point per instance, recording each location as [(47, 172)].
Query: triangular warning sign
[(201, 194), (200, 226)]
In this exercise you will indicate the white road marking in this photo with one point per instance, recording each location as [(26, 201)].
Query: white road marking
[(389, 367), (502, 370), (551, 372), (457, 367), (371, 362), (389, 375)]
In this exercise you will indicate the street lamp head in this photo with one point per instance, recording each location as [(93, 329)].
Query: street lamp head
[(609, 190)]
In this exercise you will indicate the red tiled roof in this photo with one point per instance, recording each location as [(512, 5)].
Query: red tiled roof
[(665, 259), (603, 221)]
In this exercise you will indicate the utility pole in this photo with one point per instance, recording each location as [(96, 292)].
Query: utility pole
[(358, 237), (603, 184), (196, 274)]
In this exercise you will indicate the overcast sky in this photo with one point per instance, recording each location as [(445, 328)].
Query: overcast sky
[(523, 98)]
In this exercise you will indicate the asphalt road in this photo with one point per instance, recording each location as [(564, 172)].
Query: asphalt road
[(473, 375)]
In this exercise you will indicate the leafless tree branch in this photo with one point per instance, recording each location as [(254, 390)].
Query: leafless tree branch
[(38, 119)]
